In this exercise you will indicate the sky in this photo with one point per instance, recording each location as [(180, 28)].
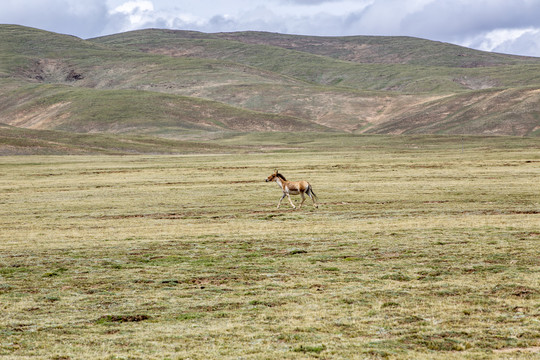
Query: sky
[(506, 26)]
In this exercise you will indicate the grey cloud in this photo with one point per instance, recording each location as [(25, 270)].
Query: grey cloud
[(222, 22), (449, 20), (62, 16)]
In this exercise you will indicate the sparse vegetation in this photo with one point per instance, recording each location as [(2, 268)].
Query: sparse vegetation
[(423, 247), (184, 85)]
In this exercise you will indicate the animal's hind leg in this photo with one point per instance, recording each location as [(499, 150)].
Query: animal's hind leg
[(303, 199), (314, 202)]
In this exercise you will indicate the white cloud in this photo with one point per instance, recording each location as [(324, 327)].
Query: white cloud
[(136, 14), (322, 17), (131, 7), (523, 42), (495, 38)]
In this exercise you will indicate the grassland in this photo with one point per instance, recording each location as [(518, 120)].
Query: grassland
[(423, 247)]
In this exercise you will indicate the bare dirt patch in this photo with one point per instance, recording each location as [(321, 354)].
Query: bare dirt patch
[(41, 118), (52, 70)]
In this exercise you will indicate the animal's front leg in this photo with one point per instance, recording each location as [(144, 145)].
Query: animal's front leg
[(279, 202), (289, 196)]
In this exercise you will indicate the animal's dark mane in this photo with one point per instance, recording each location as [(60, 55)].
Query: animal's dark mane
[(281, 177)]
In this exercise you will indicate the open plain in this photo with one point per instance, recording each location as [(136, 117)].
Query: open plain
[(422, 247)]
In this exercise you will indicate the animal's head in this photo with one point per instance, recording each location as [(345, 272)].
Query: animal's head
[(275, 175), (272, 177)]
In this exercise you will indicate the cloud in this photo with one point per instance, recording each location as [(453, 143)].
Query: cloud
[(463, 18), (133, 15), (63, 16), (511, 41), (527, 44), (490, 25), (321, 17), (384, 17), (133, 7)]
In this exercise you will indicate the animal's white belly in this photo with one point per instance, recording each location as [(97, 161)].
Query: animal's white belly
[(293, 192)]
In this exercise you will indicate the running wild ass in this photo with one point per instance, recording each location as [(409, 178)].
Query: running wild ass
[(293, 188)]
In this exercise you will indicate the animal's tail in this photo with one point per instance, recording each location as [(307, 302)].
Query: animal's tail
[(310, 192)]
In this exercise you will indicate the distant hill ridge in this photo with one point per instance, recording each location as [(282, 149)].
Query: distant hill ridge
[(184, 84), (361, 49)]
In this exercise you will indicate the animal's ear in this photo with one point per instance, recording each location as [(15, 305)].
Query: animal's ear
[(276, 171)]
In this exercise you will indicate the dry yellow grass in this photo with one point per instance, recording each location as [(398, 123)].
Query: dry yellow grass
[(425, 253)]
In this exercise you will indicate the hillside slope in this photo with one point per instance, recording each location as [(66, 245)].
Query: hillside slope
[(488, 112), (407, 74), (58, 82), (408, 66), (190, 85), (61, 107)]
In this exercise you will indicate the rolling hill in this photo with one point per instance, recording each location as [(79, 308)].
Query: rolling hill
[(184, 85)]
